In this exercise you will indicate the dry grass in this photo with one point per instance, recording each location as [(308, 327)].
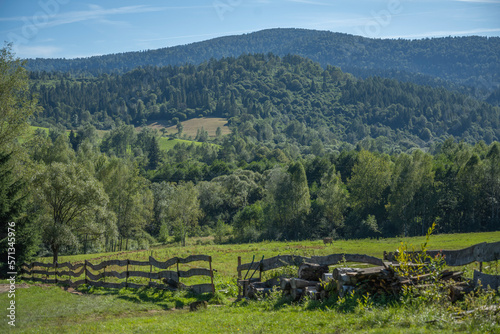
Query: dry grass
[(191, 126)]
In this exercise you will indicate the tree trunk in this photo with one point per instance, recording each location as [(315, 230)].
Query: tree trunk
[(55, 253)]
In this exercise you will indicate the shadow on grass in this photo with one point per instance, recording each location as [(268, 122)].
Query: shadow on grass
[(163, 298), (346, 304)]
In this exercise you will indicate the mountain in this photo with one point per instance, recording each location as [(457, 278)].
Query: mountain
[(466, 63), (267, 97)]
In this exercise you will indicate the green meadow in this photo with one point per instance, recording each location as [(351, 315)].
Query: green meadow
[(43, 308)]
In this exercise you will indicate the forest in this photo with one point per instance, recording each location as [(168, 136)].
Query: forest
[(313, 153), (468, 64), (268, 98)]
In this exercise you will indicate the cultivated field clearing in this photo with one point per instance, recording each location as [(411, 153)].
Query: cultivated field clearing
[(193, 125)]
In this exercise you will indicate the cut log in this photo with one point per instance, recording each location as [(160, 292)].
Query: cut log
[(311, 271), (297, 283), (285, 284), (337, 272), (311, 292), (296, 294)]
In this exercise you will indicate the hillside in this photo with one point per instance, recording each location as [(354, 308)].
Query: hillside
[(270, 99), (453, 62)]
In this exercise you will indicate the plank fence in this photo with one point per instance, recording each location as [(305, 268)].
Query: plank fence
[(482, 252), (296, 260), (109, 269)]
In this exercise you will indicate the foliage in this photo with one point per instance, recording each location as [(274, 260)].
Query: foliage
[(184, 211), (452, 62), (74, 202), (16, 102), (16, 107), (259, 96)]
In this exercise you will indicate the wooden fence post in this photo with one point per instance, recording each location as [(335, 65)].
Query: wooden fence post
[(211, 273), (104, 274), (178, 276), (55, 271), (32, 270), (126, 278), (239, 264), (239, 276), (260, 271), (150, 269), (85, 271)]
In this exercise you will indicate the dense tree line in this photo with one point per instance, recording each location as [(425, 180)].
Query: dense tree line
[(455, 62), (278, 194), (270, 99)]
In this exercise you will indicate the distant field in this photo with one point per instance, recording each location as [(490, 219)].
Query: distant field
[(209, 124), (168, 144)]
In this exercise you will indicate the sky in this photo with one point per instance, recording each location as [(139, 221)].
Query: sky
[(83, 28)]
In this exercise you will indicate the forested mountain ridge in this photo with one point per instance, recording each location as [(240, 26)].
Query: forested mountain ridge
[(269, 98), (453, 62), (283, 173)]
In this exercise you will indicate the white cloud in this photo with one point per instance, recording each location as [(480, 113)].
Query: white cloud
[(24, 51), (98, 12), (447, 33), (480, 1), (310, 2)]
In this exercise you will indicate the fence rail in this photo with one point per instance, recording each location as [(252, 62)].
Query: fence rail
[(296, 260), (482, 252), (108, 270)]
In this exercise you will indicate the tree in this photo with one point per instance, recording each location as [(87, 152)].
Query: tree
[(162, 194), (16, 106), (14, 205), (130, 198), (333, 198), (184, 210), (412, 177), (368, 188), (288, 200), (72, 198), (16, 103)]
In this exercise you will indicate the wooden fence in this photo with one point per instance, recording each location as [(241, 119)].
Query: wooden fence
[(483, 252), (69, 270), (294, 260)]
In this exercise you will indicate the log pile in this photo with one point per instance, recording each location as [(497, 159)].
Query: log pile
[(314, 283)]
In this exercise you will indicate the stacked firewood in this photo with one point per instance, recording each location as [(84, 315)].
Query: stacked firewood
[(390, 279)]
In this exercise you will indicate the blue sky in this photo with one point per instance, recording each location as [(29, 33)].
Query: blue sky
[(82, 28)]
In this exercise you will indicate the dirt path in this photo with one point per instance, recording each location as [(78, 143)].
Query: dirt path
[(6, 287)]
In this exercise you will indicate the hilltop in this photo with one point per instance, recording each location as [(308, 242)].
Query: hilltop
[(466, 63)]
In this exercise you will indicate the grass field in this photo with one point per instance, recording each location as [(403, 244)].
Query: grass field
[(225, 257), (168, 144), (50, 309), (210, 124)]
